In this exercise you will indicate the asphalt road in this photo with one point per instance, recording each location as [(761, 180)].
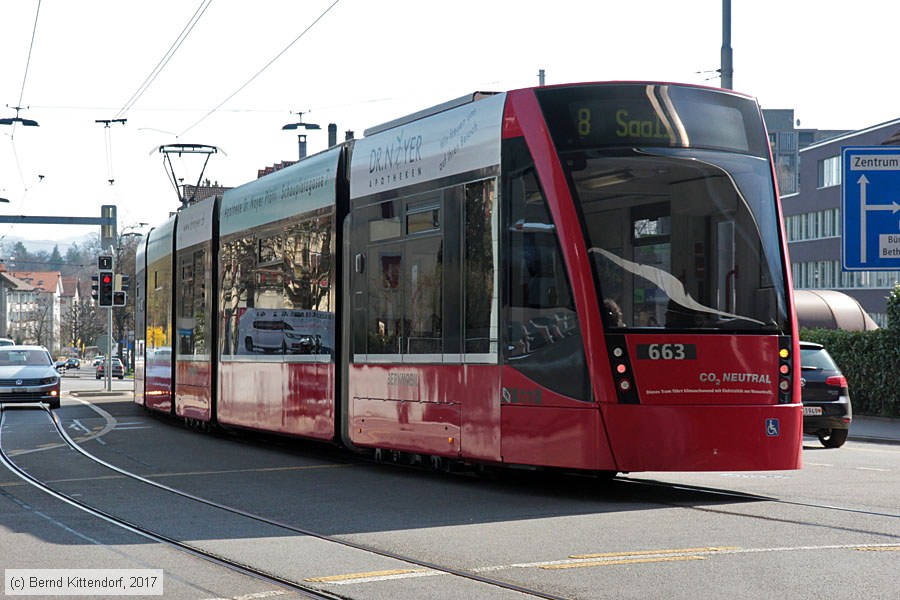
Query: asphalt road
[(832, 528)]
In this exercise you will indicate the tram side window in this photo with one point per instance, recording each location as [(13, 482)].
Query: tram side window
[(480, 291), (186, 306), (238, 263), (423, 282), (159, 327), (308, 277), (543, 337), (192, 317), (384, 261), (309, 297), (405, 276), (385, 300)]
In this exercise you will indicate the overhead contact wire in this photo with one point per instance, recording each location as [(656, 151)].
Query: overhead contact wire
[(260, 72), (188, 28)]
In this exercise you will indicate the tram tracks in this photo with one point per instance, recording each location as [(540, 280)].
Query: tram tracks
[(731, 494), (858, 527), (243, 566)]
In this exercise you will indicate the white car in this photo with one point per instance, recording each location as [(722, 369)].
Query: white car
[(27, 374)]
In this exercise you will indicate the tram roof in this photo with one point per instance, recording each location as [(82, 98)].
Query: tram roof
[(427, 112)]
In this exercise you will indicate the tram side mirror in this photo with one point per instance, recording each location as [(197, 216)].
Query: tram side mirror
[(360, 263)]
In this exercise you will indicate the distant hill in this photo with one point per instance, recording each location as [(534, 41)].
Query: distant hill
[(36, 245)]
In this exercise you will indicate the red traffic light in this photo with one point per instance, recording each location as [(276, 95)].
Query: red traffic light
[(105, 291)]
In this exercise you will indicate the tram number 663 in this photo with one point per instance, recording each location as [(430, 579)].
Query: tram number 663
[(667, 352)]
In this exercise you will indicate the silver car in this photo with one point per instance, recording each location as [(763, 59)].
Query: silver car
[(27, 375)]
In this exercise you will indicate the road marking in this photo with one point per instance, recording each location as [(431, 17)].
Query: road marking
[(255, 596), (77, 425), (110, 421), (625, 561), (612, 558), (654, 552), (371, 576), (668, 555), (872, 469)]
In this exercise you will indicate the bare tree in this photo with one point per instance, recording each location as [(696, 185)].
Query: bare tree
[(82, 325)]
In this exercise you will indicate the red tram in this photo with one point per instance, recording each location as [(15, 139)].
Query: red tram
[(585, 276)]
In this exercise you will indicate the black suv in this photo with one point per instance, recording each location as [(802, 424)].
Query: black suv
[(827, 412)]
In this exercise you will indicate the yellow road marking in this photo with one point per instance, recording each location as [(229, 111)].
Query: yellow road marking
[(878, 548), (654, 552), (333, 578), (628, 561)]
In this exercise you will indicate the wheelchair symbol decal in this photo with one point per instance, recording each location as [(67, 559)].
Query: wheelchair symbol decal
[(772, 428)]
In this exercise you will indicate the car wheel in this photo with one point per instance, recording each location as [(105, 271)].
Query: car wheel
[(121, 377), (833, 438), (53, 403)]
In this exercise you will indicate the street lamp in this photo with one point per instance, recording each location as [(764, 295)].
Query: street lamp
[(18, 119), (301, 138)]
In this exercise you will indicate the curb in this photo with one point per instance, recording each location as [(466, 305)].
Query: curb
[(99, 393), (873, 439)]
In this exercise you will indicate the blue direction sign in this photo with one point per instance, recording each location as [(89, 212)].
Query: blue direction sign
[(870, 205)]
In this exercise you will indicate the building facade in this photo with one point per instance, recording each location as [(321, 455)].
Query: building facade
[(813, 222), (33, 315), (786, 140)]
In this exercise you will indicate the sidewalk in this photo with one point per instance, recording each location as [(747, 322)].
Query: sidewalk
[(875, 429)]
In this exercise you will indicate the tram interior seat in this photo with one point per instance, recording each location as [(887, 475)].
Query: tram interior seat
[(538, 331), (519, 342)]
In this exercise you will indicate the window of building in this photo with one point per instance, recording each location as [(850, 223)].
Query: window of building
[(830, 171), (813, 226)]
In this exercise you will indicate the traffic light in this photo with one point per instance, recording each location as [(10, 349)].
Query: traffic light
[(104, 262), (95, 287), (121, 283), (105, 293), (119, 298)]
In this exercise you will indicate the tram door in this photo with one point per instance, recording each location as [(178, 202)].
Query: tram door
[(548, 416)]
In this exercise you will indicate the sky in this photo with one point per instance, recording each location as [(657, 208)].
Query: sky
[(230, 73)]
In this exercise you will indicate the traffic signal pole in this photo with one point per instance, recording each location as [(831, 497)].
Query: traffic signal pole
[(106, 278), (109, 365)]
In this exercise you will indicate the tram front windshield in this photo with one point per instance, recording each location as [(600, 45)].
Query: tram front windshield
[(682, 233)]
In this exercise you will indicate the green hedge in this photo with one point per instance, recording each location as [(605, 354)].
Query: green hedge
[(869, 361)]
